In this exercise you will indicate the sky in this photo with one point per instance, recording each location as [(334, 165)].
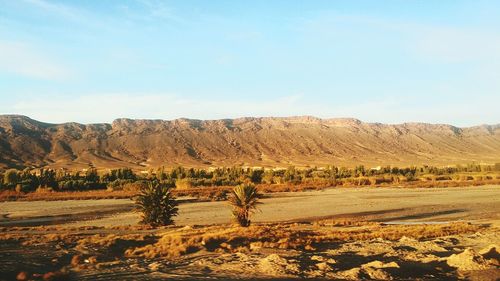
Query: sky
[(377, 61)]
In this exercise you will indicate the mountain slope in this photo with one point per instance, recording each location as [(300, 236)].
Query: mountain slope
[(276, 142)]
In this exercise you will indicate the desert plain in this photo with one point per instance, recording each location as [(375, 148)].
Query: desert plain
[(336, 234)]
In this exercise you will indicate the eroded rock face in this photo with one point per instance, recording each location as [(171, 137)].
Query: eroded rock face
[(491, 254), (468, 260)]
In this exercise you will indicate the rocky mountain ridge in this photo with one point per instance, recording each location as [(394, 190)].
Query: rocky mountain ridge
[(264, 141)]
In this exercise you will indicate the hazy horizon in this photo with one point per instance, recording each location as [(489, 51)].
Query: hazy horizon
[(386, 62)]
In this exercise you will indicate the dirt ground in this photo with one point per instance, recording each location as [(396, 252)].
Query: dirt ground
[(475, 204), (335, 234)]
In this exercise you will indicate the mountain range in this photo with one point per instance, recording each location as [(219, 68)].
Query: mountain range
[(267, 142)]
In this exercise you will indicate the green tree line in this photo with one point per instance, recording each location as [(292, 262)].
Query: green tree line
[(28, 180)]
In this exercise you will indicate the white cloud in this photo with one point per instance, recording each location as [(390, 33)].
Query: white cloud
[(21, 59)]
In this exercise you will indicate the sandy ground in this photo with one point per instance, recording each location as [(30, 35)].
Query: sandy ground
[(334, 234), (392, 205)]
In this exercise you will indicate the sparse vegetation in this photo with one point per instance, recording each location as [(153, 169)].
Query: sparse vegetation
[(216, 183), (157, 204), (286, 236), (343, 244)]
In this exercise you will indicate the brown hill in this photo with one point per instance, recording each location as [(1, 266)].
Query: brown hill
[(276, 142)]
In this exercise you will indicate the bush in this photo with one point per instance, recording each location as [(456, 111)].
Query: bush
[(157, 204), (11, 177), (118, 184), (185, 183)]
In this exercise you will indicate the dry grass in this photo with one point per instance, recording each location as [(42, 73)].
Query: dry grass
[(286, 236), (8, 195), (173, 242), (87, 251)]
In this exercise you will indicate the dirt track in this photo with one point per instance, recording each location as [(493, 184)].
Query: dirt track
[(479, 204)]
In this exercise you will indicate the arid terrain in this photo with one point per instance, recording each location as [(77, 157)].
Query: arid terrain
[(340, 233), (249, 140), (271, 142), (410, 223)]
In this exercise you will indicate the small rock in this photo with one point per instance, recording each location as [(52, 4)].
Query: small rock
[(406, 239), (76, 260), (135, 266), (323, 259), (377, 274), (278, 266), (351, 274), (331, 261), (309, 248), (187, 227), (154, 266), (317, 258), (323, 266), (255, 245), (91, 260), (379, 264), (21, 276)]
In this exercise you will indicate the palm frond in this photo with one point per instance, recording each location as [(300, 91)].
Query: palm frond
[(244, 200), (157, 204)]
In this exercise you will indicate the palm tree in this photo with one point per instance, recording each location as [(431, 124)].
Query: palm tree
[(157, 204), (244, 200)]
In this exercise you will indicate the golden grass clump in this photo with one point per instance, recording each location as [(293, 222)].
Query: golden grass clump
[(396, 232), (169, 246)]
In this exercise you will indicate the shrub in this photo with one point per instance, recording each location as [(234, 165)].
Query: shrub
[(11, 177), (185, 183), (157, 204), (118, 184), (244, 200)]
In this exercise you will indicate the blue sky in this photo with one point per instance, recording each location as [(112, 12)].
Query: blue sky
[(378, 61)]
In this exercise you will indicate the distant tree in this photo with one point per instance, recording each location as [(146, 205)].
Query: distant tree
[(244, 200), (497, 167), (91, 175), (11, 177), (185, 183), (157, 204), (256, 175)]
